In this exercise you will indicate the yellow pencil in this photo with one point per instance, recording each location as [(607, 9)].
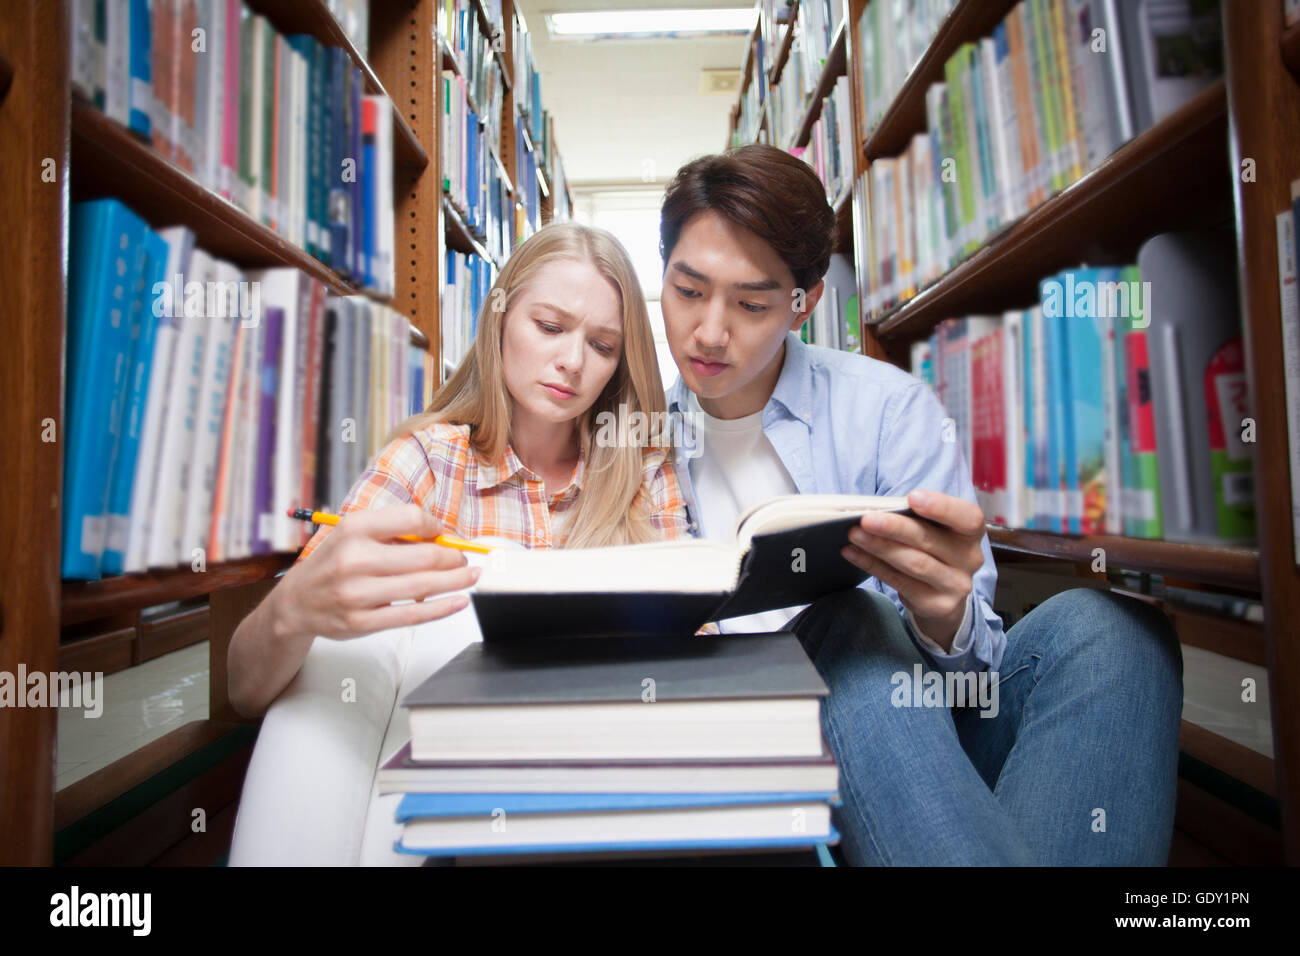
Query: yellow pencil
[(446, 540)]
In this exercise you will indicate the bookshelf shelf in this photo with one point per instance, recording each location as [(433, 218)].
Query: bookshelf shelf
[(1235, 567), (90, 600), (832, 69), (787, 40), (108, 159), (1170, 176), (491, 29), (313, 17), (460, 238), (969, 20)]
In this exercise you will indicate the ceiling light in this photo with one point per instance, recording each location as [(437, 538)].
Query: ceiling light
[(647, 24)]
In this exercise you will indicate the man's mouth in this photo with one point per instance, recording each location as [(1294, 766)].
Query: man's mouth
[(706, 368)]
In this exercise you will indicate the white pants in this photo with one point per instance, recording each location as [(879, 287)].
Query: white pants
[(309, 796)]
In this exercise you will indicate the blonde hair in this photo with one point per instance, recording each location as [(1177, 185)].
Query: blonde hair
[(612, 508)]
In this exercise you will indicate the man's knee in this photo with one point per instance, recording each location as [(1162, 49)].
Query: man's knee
[(1120, 635)]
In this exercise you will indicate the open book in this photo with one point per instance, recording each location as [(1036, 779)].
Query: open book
[(786, 551)]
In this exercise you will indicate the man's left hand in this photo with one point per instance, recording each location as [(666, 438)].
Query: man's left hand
[(930, 564)]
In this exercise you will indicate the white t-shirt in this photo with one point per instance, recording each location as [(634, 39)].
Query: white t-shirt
[(736, 469)]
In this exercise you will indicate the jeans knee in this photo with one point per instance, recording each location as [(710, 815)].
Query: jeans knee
[(1120, 636)]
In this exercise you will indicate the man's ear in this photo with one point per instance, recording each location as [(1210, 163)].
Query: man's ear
[(810, 299)]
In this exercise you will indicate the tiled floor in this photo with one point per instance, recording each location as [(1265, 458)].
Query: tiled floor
[(141, 704)]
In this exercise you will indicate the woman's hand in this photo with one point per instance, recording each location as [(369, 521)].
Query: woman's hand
[(931, 564), (345, 587)]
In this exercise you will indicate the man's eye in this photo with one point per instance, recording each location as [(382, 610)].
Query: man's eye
[(688, 293), (750, 307)]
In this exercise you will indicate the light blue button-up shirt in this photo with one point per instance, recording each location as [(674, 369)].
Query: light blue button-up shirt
[(843, 423)]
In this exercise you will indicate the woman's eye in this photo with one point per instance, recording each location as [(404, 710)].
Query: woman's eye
[(549, 329), (602, 348)]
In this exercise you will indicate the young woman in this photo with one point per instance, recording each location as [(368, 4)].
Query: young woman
[(506, 450)]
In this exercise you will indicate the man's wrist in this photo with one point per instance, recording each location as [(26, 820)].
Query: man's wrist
[(942, 630)]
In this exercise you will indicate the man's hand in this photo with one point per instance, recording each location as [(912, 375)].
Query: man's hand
[(931, 566)]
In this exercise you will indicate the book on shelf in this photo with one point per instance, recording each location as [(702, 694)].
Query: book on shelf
[(468, 281), (834, 321), (471, 177), (785, 553), (277, 124), (1117, 405), (1021, 114), (1289, 312), (195, 392)]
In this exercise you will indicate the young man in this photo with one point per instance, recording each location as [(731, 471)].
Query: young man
[(1071, 757)]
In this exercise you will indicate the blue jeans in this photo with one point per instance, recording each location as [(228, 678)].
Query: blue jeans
[(1078, 767)]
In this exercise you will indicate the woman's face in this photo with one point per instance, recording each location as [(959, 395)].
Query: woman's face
[(561, 341)]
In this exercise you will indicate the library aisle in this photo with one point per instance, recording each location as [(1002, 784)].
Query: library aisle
[(231, 225)]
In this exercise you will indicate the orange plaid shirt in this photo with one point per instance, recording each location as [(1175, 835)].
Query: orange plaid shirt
[(438, 469)]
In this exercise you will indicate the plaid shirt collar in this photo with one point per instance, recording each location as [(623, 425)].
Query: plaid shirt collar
[(508, 466)]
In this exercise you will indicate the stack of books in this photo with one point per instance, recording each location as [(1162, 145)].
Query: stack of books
[(616, 745), (591, 718), (205, 400)]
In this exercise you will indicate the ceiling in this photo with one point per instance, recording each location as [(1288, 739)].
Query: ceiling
[(630, 111)]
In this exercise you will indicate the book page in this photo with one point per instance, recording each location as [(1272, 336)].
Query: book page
[(669, 566), (795, 511)]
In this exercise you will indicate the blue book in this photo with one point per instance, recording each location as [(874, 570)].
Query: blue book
[(305, 46), (357, 267), (436, 824), (1086, 480), (105, 258), (415, 806), (369, 189), (264, 467), (144, 325), (141, 89), (339, 194)]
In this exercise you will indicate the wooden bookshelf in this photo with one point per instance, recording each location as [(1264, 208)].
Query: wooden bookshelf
[(1206, 564), (90, 600), (787, 41), (313, 17), (1171, 176), (460, 238), (832, 70), (96, 157), (1181, 173), (969, 20)]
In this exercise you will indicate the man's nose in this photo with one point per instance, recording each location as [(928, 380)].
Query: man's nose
[(712, 332)]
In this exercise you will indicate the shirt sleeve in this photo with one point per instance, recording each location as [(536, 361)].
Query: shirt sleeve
[(667, 504), (392, 478), (917, 449)]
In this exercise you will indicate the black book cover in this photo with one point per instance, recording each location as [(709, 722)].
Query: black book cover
[(577, 670), (781, 569)]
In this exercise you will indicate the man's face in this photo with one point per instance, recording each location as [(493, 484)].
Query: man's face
[(728, 300)]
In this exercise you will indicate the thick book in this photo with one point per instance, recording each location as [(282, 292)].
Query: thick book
[(786, 552), (660, 697), (404, 774)]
